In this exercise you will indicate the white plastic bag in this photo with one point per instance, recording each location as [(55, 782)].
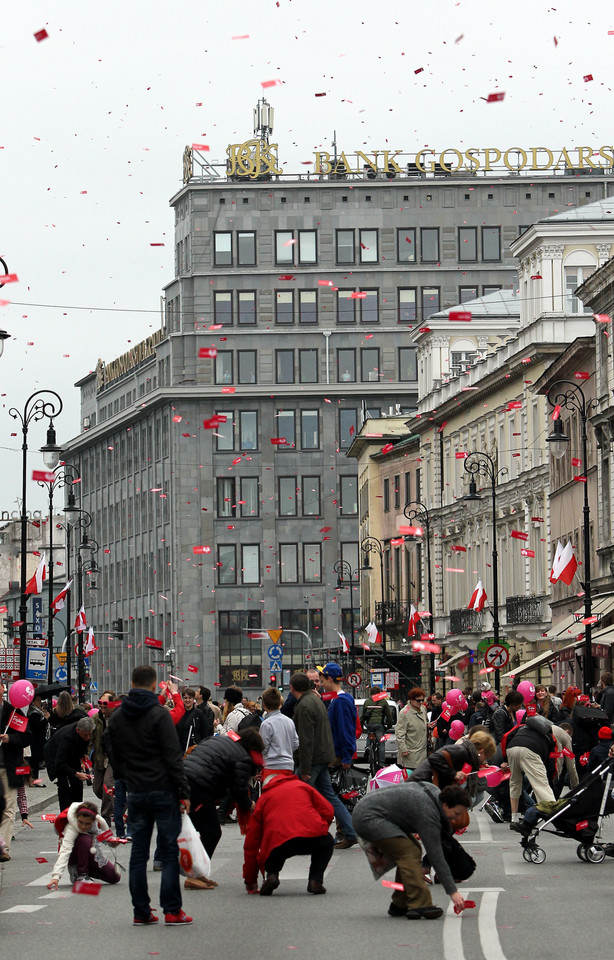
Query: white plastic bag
[(193, 858)]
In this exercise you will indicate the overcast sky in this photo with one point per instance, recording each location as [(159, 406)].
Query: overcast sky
[(94, 120)]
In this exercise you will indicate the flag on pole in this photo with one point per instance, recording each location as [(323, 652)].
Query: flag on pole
[(556, 563), (569, 564), (373, 633), (81, 621), (344, 644), (478, 598), (59, 602), (35, 585), (89, 646), (414, 620)]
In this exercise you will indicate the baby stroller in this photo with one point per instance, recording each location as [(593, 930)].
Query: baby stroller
[(578, 816)]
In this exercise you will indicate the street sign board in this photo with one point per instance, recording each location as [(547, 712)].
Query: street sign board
[(275, 666), (61, 658), (275, 651), (496, 656), (61, 675), (275, 635), (37, 663), (9, 662), (377, 678), (354, 679)]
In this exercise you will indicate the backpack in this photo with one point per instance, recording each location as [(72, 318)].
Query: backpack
[(251, 720)]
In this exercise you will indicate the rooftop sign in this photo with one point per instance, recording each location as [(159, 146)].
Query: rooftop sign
[(107, 372)]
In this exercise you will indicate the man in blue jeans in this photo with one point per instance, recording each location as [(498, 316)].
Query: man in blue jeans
[(316, 750), (145, 748)]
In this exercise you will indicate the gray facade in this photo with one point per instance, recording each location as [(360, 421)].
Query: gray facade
[(275, 264)]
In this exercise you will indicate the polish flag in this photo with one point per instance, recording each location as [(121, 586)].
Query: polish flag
[(414, 620), (344, 644), (556, 563), (89, 647), (81, 621), (59, 602), (569, 564), (478, 598), (373, 633), (35, 585)]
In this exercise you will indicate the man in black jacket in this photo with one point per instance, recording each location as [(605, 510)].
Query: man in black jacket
[(191, 726), (504, 717), (63, 755), (145, 749), (12, 743)]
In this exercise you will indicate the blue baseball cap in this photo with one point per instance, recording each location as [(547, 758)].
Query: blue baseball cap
[(331, 670)]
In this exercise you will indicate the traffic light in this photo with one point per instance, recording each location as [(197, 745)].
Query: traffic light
[(8, 626), (118, 627), (273, 679)]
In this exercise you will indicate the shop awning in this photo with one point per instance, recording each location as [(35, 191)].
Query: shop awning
[(525, 667), (572, 625), (453, 660)]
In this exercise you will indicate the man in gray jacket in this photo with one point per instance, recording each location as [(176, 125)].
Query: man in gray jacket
[(391, 818)]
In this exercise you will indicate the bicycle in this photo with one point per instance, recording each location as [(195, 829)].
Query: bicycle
[(372, 752)]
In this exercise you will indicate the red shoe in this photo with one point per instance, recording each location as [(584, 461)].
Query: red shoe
[(152, 918), (177, 918)]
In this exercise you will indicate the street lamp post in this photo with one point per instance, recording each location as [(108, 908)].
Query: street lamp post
[(64, 474), (373, 545), (568, 395), (87, 548), (82, 521), (37, 406), (415, 511), (480, 464), (347, 577)]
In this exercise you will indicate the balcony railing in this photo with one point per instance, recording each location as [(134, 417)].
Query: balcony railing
[(395, 611), (465, 621), (523, 609)]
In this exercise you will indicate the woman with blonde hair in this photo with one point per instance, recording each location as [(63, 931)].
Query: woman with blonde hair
[(64, 712), (445, 766)]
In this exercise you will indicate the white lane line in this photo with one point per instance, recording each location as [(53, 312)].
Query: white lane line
[(452, 940), (25, 908), (44, 880), (483, 821), (487, 927)]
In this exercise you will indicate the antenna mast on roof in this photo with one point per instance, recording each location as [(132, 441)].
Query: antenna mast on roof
[(263, 120)]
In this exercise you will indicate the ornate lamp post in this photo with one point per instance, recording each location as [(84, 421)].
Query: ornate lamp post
[(564, 394), (87, 548), (417, 513), (373, 545), (42, 403), (347, 577)]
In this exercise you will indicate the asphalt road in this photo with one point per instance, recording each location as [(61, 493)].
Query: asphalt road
[(558, 908)]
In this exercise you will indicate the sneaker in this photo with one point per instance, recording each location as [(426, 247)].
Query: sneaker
[(83, 878), (394, 911), (152, 918), (428, 913), (346, 843), (157, 867), (177, 918), (38, 783), (270, 883), (199, 883), (315, 887), (492, 808)]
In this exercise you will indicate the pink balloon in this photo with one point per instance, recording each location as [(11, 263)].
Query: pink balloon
[(453, 696), (527, 689), (21, 693), (461, 703), (93, 712), (494, 775), (519, 715), (457, 729)]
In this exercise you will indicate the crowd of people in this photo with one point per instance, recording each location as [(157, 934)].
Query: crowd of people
[(159, 753)]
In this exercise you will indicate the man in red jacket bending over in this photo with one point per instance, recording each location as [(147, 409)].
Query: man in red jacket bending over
[(290, 819)]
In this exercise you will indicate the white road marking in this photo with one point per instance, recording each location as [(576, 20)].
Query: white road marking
[(514, 863), (487, 927), (54, 895), (25, 908), (483, 821), (452, 940), (44, 880)]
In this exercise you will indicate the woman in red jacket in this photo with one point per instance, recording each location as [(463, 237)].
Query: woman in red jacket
[(290, 819)]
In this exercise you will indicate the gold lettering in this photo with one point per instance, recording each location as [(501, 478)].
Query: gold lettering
[(366, 161), (318, 164), (473, 160), (535, 151), (487, 153), (609, 157), (564, 155), (343, 165), (418, 161), (128, 361), (582, 158), (252, 159), (442, 162), (516, 165), (390, 161)]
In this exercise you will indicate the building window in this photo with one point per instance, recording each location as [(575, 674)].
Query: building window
[(307, 306), (491, 289), (346, 307), (226, 504), (386, 494), (247, 366), (286, 496), (429, 243), (407, 304), (312, 563), (246, 248), (407, 488), (406, 245), (346, 366), (307, 246), (348, 496), (288, 563), (284, 306), (286, 428), (225, 431), (491, 243), (226, 563), (240, 647), (574, 276), (408, 364), (284, 246), (310, 490), (223, 366), (248, 429), (222, 246), (467, 243), (249, 502), (222, 307), (430, 301), (308, 366), (467, 293), (347, 427), (397, 491), (250, 563), (247, 306), (284, 366), (368, 246), (345, 246), (310, 430), (369, 307), (369, 364)]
